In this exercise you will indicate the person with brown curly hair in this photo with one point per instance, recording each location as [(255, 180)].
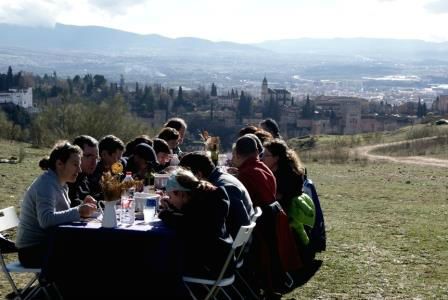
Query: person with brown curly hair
[(287, 169)]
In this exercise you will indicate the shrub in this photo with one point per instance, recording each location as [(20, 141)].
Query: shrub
[(69, 119)]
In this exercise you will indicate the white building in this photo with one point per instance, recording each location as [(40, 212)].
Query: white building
[(23, 98)]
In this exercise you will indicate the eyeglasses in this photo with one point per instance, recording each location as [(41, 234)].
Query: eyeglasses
[(90, 156)]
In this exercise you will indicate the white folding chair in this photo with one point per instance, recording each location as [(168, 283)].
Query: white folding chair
[(9, 220), (257, 214), (241, 238), (240, 258)]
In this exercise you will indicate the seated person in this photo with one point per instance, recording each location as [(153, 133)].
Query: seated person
[(46, 203), (241, 210), (263, 135), (138, 140), (142, 163), (163, 153), (81, 188), (111, 149), (271, 126), (287, 169), (199, 215), (254, 174), (181, 126), (171, 136), (248, 129)]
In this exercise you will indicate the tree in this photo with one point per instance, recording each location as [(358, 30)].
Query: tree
[(70, 86), (308, 109), (214, 91), (122, 83), (244, 105), (99, 81), (179, 100), (9, 78), (17, 80), (420, 112), (180, 96), (3, 84), (88, 84)]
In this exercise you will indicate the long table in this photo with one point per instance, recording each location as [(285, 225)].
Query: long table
[(130, 262)]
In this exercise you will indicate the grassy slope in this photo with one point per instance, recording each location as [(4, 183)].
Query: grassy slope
[(14, 179), (386, 238), (387, 232)]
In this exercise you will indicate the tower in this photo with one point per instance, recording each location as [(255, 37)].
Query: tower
[(264, 90)]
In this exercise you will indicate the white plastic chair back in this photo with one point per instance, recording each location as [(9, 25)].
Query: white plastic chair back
[(241, 238), (243, 235), (257, 214), (8, 218)]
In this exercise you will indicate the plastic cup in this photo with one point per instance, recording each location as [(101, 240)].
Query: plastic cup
[(150, 208), (160, 181)]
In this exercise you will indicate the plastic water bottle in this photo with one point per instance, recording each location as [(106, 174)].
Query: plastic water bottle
[(128, 203)]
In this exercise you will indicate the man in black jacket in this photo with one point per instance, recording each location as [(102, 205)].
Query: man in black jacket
[(81, 188)]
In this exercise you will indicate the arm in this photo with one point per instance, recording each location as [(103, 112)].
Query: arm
[(47, 215)]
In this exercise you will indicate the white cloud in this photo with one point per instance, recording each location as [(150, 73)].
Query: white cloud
[(114, 7), (438, 7), (242, 20), (30, 12)]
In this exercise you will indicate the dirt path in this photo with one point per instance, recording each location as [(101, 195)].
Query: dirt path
[(416, 160)]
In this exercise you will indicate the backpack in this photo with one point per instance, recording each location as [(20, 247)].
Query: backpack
[(317, 235), (302, 216)]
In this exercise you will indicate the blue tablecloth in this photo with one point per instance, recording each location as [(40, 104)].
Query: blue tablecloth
[(139, 261)]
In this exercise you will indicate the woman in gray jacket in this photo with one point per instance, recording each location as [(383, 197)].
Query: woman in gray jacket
[(46, 203)]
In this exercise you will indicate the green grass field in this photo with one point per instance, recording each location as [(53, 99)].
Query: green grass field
[(387, 233), (387, 227)]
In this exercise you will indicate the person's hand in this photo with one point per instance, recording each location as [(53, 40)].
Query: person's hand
[(89, 200), (86, 210), (164, 204), (232, 170)]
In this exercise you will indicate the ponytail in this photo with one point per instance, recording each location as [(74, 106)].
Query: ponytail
[(44, 163)]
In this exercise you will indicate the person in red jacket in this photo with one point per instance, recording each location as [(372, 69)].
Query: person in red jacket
[(253, 173)]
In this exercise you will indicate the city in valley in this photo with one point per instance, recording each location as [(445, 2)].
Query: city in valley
[(334, 86)]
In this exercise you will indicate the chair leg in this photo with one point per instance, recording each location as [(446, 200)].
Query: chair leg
[(57, 291), (238, 292), (246, 284), (29, 288), (290, 282), (190, 291), (224, 292), (212, 292)]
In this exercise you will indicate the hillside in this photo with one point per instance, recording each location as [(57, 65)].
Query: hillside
[(424, 140)]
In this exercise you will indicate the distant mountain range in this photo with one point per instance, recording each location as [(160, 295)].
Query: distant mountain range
[(107, 40), (72, 49), (363, 47)]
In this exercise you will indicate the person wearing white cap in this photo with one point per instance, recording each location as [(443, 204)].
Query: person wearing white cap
[(198, 214)]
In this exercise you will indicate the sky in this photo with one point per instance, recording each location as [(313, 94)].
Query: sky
[(243, 21)]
